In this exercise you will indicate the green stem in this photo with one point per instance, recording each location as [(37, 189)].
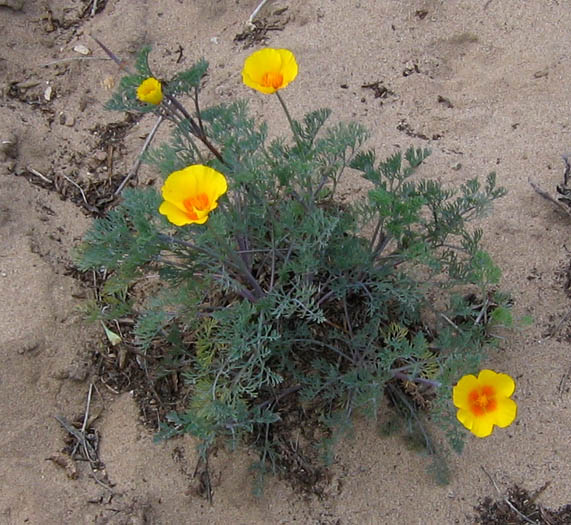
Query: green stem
[(290, 120)]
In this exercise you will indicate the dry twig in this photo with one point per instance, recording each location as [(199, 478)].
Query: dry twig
[(82, 440), (564, 202), (508, 502), (135, 168), (255, 12), (40, 175), (72, 59)]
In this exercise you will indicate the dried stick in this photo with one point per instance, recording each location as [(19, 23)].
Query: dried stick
[(546, 195), (87, 406), (508, 502), (561, 189), (135, 168), (255, 12), (83, 196), (73, 59), (38, 174)]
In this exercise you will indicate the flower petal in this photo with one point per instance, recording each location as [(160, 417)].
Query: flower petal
[(503, 384), (289, 66), (505, 413), (465, 417), (483, 425), (210, 182), (461, 391), (174, 214), (179, 186)]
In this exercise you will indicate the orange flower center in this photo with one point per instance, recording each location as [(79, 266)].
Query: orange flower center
[(272, 79), (482, 400), (198, 202)]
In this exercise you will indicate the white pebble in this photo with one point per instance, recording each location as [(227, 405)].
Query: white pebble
[(81, 49)]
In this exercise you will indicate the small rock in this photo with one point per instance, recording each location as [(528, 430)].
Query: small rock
[(82, 50), (16, 5), (101, 156), (27, 84), (70, 122), (29, 345), (92, 165), (108, 83), (410, 68), (445, 101), (456, 166), (9, 166), (84, 101), (48, 92), (8, 145), (61, 375)]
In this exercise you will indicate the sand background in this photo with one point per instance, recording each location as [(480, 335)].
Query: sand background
[(502, 71)]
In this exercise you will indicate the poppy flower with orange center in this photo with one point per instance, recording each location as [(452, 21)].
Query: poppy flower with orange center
[(484, 401), (191, 194), (268, 70), (150, 91)]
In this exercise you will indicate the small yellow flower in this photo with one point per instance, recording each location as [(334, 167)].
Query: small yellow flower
[(484, 401), (268, 70), (150, 91), (191, 194)]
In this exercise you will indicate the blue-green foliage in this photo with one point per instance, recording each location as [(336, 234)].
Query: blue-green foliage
[(286, 291)]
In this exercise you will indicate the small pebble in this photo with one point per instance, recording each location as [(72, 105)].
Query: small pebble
[(9, 145), (7, 167), (27, 84), (48, 92), (16, 5), (81, 49), (101, 156), (108, 83)]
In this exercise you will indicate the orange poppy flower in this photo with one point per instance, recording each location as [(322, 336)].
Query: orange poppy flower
[(191, 194), (484, 401), (268, 70), (150, 91)]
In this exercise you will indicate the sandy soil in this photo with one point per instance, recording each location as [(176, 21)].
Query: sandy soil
[(484, 84)]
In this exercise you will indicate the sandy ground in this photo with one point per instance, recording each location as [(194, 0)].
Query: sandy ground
[(486, 85)]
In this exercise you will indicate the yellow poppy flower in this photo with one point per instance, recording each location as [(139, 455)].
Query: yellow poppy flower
[(268, 70), (150, 91), (484, 401), (191, 194)]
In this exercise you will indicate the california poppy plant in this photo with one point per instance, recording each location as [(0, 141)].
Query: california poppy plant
[(268, 70), (150, 91), (484, 401), (191, 194)]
